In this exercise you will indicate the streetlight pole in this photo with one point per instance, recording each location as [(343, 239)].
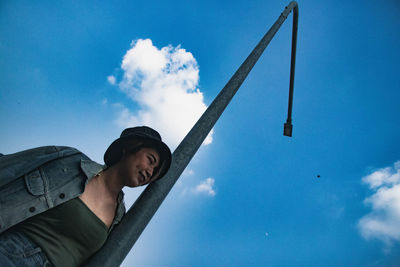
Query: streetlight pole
[(124, 236)]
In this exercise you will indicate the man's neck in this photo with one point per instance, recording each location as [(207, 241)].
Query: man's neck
[(109, 183)]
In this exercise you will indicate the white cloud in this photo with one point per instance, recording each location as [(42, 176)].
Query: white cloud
[(188, 172), (206, 187), (111, 79), (163, 82), (386, 176), (383, 221)]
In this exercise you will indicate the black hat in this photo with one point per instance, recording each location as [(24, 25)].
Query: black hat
[(144, 135)]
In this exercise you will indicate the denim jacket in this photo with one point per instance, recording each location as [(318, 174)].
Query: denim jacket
[(38, 179)]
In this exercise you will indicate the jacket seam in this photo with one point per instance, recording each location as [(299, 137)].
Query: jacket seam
[(46, 188)]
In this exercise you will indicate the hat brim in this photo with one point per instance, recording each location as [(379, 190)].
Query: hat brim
[(114, 152)]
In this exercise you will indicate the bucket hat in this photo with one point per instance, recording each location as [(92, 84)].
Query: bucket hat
[(145, 136)]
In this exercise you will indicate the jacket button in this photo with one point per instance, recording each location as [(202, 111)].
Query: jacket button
[(32, 209), (62, 195)]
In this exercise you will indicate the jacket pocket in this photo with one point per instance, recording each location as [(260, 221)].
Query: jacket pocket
[(34, 183)]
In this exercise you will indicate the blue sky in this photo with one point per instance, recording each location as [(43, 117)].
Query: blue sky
[(250, 197)]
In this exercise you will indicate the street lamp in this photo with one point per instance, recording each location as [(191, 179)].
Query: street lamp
[(124, 236)]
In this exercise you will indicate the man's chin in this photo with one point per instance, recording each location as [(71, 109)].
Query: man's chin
[(133, 183)]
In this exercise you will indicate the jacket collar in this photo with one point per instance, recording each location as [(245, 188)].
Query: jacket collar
[(91, 168)]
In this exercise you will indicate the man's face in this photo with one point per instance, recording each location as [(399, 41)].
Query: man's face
[(138, 168)]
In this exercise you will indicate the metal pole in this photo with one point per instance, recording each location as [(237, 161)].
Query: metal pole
[(124, 236)]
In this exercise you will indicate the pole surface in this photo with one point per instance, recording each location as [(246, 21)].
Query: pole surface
[(124, 236)]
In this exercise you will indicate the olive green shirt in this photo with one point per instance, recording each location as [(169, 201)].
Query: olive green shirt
[(68, 234)]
